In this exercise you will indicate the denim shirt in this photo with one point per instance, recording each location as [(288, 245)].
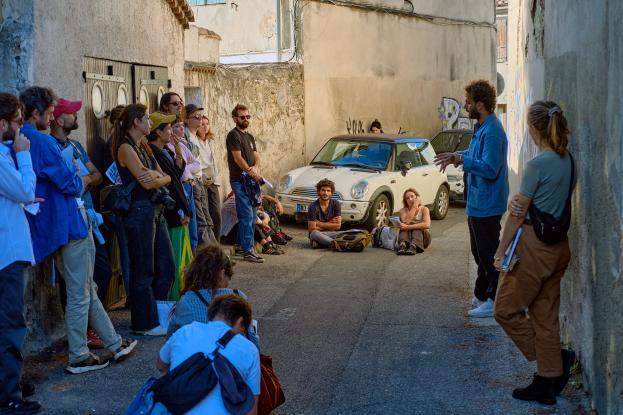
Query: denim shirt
[(486, 167), (59, 220), (17, 187)]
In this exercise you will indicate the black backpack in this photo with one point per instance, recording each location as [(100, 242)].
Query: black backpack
[(192, 380), (546, 227)]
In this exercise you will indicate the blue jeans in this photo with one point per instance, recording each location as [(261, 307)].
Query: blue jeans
[(152, 265), (246, 217), (12, 330), (192, 225)]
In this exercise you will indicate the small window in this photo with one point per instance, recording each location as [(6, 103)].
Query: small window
[(465, 140), (205, 2), (408, 156), (122, 95), (97, 100), (143, 97)]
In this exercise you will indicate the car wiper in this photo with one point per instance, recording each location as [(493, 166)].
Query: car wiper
[(322, 163), (360, 166)]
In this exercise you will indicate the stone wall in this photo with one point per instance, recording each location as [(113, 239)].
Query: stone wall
[(16, 54), (572, 52), (274, 95)]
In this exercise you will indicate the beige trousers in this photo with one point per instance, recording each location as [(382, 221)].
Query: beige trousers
[(534, 284)]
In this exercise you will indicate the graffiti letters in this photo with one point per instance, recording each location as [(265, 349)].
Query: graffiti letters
[(354, 126), (453, 116)]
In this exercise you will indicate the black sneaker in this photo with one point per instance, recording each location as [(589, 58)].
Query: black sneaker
[(93, 362), (410, 250), (568, 359), (402, 248), (542, 390), (123, 352), (21, 407), (252, 257)]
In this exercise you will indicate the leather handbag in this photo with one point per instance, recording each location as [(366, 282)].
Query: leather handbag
[(271, 392), (116, 199)]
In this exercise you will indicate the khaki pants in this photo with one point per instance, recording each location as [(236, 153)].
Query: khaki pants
[(534, 284)]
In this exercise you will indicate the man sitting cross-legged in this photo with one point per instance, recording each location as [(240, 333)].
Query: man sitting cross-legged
[(324, 216)]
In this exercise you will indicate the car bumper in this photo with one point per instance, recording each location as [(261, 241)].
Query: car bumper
[(352, 210)]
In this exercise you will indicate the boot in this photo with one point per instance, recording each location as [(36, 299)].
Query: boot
[(402, 248), (542, 390), (568, 359)]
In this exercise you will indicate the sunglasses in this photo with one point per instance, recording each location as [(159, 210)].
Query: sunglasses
[(177, 104), (244, 117), (18, 121)]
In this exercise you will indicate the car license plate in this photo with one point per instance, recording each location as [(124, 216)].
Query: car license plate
[(301, 208)]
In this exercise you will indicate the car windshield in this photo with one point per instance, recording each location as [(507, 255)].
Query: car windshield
[(444, 142), (354, 153)]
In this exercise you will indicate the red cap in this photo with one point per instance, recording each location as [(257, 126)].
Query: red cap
[(64, 106)]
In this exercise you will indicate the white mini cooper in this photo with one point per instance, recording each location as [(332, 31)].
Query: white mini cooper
[(370, 172)]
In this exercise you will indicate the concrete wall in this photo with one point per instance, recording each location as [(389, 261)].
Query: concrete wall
[(572, 52), (245, 26), (201, 45), (274, 95), (16, 54), (362, 64), (103, 29)]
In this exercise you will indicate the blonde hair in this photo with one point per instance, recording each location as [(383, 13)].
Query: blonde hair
[(547, 118)]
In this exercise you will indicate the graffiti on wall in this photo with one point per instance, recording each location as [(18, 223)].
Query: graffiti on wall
[(355, 126), (453, 116)]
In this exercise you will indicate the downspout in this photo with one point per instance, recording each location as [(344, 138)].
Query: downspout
[(278, 14)]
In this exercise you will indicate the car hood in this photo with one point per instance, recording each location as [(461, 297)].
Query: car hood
[(343, 177)]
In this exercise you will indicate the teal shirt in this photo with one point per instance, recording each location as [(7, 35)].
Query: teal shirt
[(546, 181)]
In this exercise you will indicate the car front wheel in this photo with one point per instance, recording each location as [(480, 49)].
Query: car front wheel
[(442, 201), (379, 213)]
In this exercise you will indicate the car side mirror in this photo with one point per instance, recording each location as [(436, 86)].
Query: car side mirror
[(405, 166)]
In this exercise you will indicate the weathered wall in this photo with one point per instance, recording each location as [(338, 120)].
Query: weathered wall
[(274, 95), (353, 75), (257, 17), (201, 45), (136, 31), (572, 52), (16, 55)]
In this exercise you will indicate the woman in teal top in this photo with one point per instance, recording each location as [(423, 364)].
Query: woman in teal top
[(533, 284)]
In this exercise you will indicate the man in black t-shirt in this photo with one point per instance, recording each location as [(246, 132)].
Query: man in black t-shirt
[(242, 157), (324, 216)]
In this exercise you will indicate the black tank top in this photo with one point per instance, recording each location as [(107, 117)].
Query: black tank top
[(139, 193)]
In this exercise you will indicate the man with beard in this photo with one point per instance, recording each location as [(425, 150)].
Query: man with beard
[(61, 228), (17, 188), (486, 182), (243, 158), (324, 216)]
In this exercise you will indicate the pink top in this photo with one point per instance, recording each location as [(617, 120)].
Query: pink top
[(193, 165)]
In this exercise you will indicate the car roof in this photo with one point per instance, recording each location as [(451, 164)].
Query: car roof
[(388, 138), (458, 130)]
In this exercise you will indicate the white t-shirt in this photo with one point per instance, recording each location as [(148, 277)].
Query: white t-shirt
[(202, 337)]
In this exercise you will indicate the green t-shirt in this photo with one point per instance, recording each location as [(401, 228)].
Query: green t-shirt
[(546, 181)]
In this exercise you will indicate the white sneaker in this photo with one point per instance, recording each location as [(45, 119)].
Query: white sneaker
[(476, 302), (485, 310), (156, 331)]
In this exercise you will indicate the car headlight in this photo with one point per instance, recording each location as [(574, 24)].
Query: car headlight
[(359, 190), (454, 178), (284, 183)]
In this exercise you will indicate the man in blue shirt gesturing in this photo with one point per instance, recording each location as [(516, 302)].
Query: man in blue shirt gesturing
[(486, 182)]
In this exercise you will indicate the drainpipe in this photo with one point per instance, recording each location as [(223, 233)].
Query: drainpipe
[(278, 14)]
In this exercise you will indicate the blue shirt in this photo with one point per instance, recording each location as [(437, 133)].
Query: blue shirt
[(487, 170), (17, 187), (59, 220), (79, 154)]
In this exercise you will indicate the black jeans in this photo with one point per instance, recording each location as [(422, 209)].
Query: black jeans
[(214, 207), (12, 330), (152, 266), (102, 271), (484, 236)]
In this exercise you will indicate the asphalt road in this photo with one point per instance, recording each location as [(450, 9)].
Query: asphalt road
[(350, 333)]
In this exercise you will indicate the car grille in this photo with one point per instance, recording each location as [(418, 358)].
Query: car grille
[(311, 192)]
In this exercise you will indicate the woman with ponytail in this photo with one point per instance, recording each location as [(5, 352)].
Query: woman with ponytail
[(532, 287), (152, 266)]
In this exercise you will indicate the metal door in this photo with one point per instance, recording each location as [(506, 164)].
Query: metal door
[(150, 83)]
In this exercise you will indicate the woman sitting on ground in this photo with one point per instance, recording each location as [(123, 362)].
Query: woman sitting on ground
[(207, 276), (414, 236)]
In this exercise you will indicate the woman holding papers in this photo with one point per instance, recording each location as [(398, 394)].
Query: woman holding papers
[(533, 284), (414, 224)]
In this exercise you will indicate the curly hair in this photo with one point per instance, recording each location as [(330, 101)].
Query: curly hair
[(204, 271), (325, 183), (482, 91), (9, 105), (37, 98)]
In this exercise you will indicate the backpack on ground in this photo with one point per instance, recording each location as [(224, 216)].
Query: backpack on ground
[(385, 237), (354, 240)]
